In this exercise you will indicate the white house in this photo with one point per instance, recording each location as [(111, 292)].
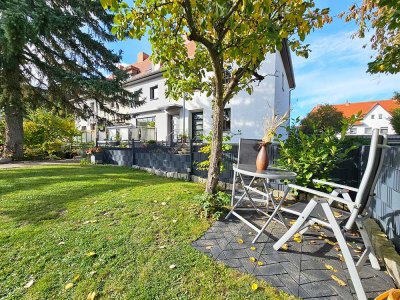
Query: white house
[(162, 119), (375, 114)]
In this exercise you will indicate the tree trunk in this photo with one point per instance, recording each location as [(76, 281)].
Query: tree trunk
[(216, 147), (14, 130)]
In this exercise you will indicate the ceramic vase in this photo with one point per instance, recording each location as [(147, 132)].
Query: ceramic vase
[(262, 160)]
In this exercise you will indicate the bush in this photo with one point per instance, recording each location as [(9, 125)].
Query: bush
[(212, 206), (49, 132), (316, 155), (395, 120)]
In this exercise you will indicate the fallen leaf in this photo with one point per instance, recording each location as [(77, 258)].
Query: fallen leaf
[(312, 242), (29, 284), (174, 221), (260, 263), (250, 233), (155, 218), (338, 280), (330, 242), (254, 286), (61, 243), (92, 273), (253, 248), (341, 258), (163, 203), (292, 222), (329, 267), (320, 237), (357, 251), (252, 259), (91, 254), (298, 238), (337, 214), (162, 247), (91, 296), (209, 247), (337, 249), (76, 278), (68, 286), (172, 267), (240, 241), (285, 247)]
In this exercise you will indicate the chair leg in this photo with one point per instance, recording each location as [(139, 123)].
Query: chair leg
[(233, 188), (368, 248), (355, 278), (297, 225)]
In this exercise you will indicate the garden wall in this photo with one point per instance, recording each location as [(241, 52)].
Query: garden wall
[(118, 156)]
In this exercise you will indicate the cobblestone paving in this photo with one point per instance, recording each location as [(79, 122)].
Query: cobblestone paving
[(300, 270)]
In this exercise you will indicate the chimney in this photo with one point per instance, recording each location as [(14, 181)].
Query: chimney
[(142, 56), (347, 103)]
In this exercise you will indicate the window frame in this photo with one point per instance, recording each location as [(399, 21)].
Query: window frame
[(150, 119), (227, 120), (367, 130), (152, 94), (384, 128)]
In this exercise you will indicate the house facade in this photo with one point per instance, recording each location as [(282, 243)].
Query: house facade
[(162, 119), (375, 114)]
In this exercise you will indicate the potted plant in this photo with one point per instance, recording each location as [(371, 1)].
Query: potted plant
[(271, 125), (5, 155), (96, 155)]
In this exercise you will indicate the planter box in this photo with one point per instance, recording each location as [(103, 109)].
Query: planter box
[(5, 160), (96, 158)]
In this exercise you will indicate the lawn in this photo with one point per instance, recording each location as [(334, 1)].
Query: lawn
[(109, 230)]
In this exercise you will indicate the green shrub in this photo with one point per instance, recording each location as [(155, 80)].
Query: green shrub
[(212, 206), (316, 155), (395, 120)]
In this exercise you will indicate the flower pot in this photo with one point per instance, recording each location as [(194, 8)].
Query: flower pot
[(5, 160), (96, 158), (262, 160)]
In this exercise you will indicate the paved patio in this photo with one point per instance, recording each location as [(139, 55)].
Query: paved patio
[(300, 270)]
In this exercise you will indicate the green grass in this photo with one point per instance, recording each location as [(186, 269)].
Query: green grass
[(45, 235)]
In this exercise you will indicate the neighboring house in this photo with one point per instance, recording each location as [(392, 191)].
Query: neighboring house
[(375, 114), (162, 119)]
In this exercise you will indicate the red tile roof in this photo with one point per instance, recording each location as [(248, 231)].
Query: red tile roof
[(349, 109)]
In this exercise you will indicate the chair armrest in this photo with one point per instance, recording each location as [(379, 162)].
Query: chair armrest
[(336, 185), (350, 204)]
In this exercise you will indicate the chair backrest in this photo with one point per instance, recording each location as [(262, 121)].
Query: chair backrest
[(248, 151), (370, 177)]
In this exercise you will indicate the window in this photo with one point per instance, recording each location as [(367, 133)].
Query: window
[(83, 128), (197, 125), (353, 130), (227, 120), (384, 130), (148, 122), (380, 116), (154, 92), (92, 126), (367, 130), (227, 75), (372, 116)]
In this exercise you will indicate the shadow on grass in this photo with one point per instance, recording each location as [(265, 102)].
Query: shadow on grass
[(36, 194)]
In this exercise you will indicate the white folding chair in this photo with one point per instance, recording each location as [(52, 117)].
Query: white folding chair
[(319, 209)]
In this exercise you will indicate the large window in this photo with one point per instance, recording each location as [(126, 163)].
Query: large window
[(367, 130), (372, 116), (197, 125), (353, 130), (384, 130), (148, 122), (227, 119), (154, 92), (380, 116)]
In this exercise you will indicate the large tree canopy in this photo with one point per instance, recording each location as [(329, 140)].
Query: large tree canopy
[(52, 54), (381, 17), (230, 35)]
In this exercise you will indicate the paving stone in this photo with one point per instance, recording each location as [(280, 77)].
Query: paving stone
[(272, 280), (293, 286), (231, 254), (269, 269), (319, 289)]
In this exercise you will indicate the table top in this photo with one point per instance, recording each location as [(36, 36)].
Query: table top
[(269, 173)]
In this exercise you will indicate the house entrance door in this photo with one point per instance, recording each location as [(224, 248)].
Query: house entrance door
[(174, 127)]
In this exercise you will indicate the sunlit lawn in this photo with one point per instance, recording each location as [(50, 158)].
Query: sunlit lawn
[(109, 230)]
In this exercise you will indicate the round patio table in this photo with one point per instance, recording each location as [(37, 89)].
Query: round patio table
[(266, 177)]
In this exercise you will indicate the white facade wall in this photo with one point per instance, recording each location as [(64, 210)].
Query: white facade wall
[(379, 118), (271, 96)]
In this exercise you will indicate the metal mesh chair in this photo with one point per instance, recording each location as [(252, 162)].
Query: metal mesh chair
[(318, 210)]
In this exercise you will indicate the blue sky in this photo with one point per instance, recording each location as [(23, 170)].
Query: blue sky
[(335, 72)]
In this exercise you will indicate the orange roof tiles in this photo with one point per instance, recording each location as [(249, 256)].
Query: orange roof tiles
[(349, 109)]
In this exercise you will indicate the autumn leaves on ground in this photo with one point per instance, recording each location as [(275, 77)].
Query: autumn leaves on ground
[(83, 232)]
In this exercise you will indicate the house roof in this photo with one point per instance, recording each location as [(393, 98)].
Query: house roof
[(144, 65), (350, 109)]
